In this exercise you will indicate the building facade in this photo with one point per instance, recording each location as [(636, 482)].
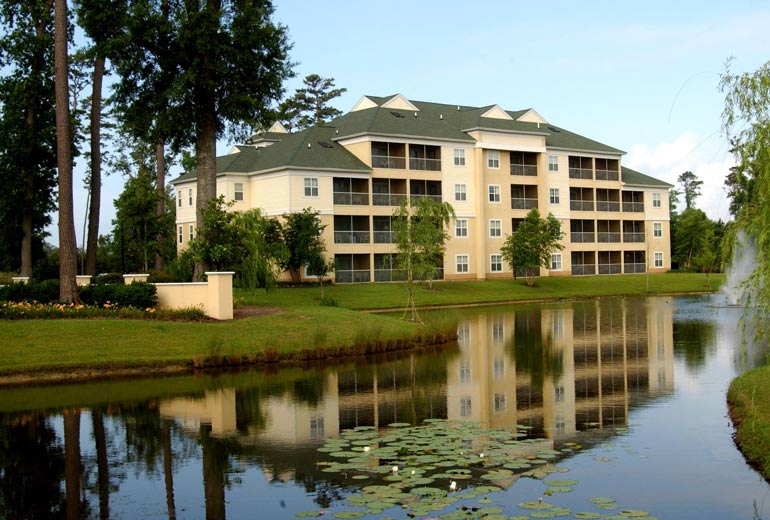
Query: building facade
[(492, 165)]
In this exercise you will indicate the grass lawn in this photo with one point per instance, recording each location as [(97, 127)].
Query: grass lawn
[(301, 329), (749, 400), (393, 295)]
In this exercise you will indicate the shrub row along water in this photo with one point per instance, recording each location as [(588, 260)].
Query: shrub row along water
[(138, 294)]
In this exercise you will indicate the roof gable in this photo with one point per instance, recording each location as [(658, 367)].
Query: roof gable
[(531, 116), (277, 128), (363, 103), (399, 102), (496, 112)]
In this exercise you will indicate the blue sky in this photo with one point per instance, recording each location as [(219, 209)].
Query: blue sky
[(642, 77)]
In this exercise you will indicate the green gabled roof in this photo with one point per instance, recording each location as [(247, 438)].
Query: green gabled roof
[(635, 178), (561, 138), (290, 152)]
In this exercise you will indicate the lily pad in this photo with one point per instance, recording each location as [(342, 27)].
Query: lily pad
[(349, 514), (588, 514), (634, 513), (308, 514), (535, 505)]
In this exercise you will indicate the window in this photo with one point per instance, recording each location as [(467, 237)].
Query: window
[(189, 197), (498, 331), (555, 261), (459, 157), (493, 159), (656, 200), (465, 407), (463, 332), (498, 368), (317, 428), (181, 233), (179, 199), (494, 193), (658, 258), (657, 229), (461, 263), (465, 372), (554, 195), (460, 193), (496, 263), (553, 163), (238, 191), (461, 227), (192, 231), (558, 394), (499, 403), (311, 187), (495, 228)]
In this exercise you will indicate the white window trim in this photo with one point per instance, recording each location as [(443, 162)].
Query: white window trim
[(657, 201), (457, 221), (189, 197), (181, 233), (491, 263), (554, 163), (236, 192), (456, 157), (655, 259), (551, 193), (192, 231), (464, 192), (657, 229), (561, 262), (467, 263), (489, 194), (499, 228), (179, 200), (311, 187), (489, 159)]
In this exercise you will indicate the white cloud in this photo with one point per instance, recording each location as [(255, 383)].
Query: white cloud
[(707, 158)]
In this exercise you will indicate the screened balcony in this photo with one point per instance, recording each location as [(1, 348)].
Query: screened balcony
[(523, 196), (515, 224), (524, 164), (608, 231), (581, 199), (351, 192), (350, 229), (388, 155), (583, 262), (633, 231), (351, 268), (388, 192), (424, 157), (634, 262), (384, 271), (581, 167), (383, 229), (429, 189), (633, 201), (609, 262), (607, 169), (582, 231), (607, 200)]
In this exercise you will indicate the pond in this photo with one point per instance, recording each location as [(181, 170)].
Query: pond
[(573, 409)]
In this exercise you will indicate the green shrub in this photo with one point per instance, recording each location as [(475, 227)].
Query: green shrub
[(328, 301), (46, 291), (6, 278), (140, 295), (107, 278)]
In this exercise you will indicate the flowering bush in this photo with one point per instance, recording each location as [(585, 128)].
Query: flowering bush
[(35, 310)]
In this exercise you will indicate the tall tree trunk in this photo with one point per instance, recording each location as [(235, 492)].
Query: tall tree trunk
[(26, 225), (205, 163), (102, 464), (168, 473), (72, 463), (67, 248), (160, 205), (96, 166), (213, 477)]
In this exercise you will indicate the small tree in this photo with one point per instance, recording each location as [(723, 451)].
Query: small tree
[(302, 236), (691, 186), (530, 247), (261, 249), (420, 234), (320, 267)]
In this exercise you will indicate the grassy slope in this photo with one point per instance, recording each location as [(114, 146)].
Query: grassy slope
[(749, 400), (303, 324)]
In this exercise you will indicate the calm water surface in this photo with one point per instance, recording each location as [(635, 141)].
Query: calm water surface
[(636, 386)]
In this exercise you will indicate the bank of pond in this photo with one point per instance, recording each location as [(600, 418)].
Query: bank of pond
[(586, 409)]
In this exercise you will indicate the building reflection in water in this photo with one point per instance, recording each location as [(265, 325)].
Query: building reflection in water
[(557, 370)]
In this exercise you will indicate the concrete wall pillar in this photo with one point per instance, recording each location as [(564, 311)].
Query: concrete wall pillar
[(83, 279), (128, 279), (219, 300), (20, 279)]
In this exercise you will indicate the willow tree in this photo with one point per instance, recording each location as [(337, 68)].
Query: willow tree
[(420, 234), (746, 123)]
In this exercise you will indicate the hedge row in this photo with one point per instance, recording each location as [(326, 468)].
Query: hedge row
[(138, 294)]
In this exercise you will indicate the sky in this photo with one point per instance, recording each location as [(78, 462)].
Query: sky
[(641, 77)]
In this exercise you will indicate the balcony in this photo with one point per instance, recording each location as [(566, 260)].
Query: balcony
[(633, 201), (581, 205), (581, 167), (383, 237), (525, 170), (607, 175), (633, 236), (417, 163), (523, 203), (383, 231), (605, 205), (344, 198), (387, 199), (609, 262), (389, 161), (633, 268), (633, 207), (427, 189), (351, 237), (352, 276), (608, 237), (581, 237), (610, 269), (581, 173), (351, 268), (389, 275), (414, 197), (581, 269)]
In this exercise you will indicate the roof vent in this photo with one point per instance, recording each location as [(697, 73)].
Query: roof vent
[(441, 116), (415, 114), (325, 144), (337, 131), (308, 145), (458, 108), (552, 129), (396, 114)]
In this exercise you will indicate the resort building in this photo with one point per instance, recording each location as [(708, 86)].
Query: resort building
[(492, 165)]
